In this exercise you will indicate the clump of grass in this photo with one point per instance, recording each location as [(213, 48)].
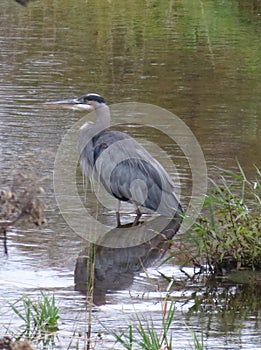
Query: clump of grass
[(40, 316), (144, 334), (228, 235), (21, 200)]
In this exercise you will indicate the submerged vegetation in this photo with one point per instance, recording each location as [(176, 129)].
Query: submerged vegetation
[(228, 234)]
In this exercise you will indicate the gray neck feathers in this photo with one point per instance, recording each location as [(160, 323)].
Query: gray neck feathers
[(103, 116)]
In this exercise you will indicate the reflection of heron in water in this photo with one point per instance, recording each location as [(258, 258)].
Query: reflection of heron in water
[(101, 269), (117, 161), (22, 2)]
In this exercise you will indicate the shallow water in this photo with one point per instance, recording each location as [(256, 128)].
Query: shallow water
[(197, 59)]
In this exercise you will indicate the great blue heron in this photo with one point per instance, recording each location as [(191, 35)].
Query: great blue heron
[(117, 161)]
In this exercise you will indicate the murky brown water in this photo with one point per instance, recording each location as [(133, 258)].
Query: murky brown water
[(197, 59)]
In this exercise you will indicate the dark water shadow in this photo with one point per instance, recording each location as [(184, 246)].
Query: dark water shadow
[(113, 269)]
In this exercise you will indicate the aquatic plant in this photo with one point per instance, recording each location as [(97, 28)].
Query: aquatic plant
[(228, 234), (40, 317), (147, 336), (144, 333)]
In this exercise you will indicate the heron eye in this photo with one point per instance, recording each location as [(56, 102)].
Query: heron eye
[(83, 100)]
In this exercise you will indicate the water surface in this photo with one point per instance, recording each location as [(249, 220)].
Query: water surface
[(198, 59)]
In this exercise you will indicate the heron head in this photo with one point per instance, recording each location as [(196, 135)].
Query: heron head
[(92, 99), (88, 102)]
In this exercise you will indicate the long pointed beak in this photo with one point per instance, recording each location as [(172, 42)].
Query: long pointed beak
[(73, 104)]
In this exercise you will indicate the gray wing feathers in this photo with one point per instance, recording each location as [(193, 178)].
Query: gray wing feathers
[(128, 171)]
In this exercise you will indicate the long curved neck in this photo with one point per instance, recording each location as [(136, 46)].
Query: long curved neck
[(103, 116), (89, 130)]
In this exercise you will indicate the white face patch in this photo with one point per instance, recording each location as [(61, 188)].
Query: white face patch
[(81, 107)]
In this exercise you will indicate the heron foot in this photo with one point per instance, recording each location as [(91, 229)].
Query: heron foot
[(137, 219), (118, 219), (135, 222)]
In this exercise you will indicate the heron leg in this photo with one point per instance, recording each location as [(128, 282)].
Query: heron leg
[(138, 215), (118, 217)]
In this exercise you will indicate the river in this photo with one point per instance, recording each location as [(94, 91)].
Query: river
[(198, 62)]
